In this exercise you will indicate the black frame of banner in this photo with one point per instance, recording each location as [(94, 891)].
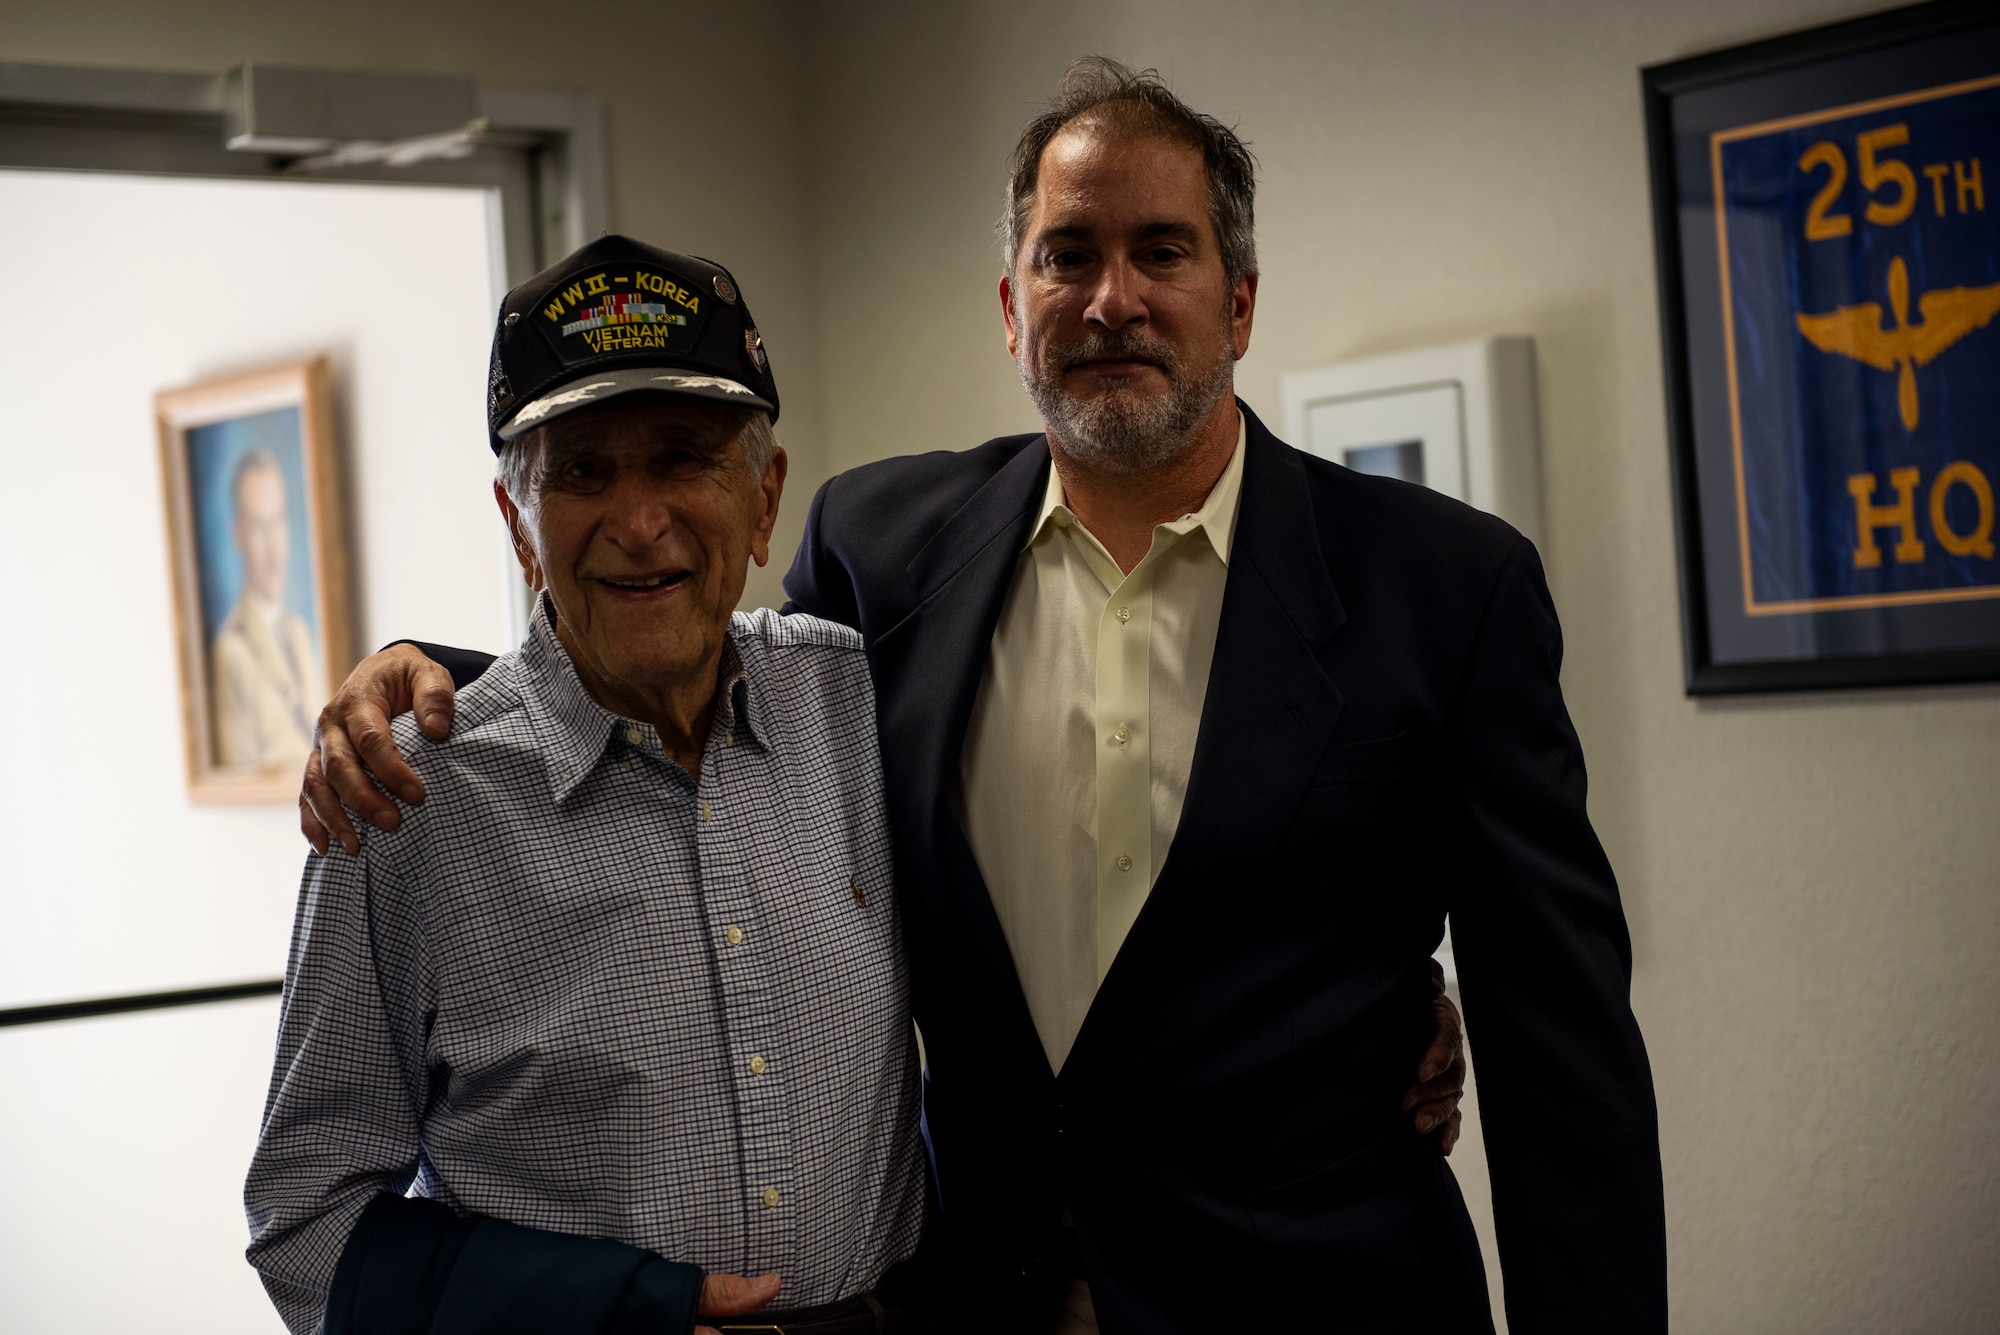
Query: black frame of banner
[(1661, 85)]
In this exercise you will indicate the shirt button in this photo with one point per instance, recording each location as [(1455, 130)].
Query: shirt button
[(735, 936), (1121, 734), (634, 736), (756, 1066), (1124, 614), (1124, 862), (770, 1198), (707, 811)]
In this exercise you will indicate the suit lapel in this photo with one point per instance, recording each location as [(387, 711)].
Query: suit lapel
[(1268, 715), (928, 667)]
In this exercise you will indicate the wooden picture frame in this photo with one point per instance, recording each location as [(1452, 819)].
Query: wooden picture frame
[(257, 554), (1827, 226)]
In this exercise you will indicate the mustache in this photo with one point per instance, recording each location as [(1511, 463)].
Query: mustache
[(1117, 346)]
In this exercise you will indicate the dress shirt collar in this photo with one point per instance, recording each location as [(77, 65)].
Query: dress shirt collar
[(577, 731), (1216, 518)]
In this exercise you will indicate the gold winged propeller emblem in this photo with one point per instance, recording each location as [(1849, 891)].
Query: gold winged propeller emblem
[(1857, 331)]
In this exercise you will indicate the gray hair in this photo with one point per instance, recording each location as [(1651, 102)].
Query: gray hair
[(1140, 102), (519, 468)]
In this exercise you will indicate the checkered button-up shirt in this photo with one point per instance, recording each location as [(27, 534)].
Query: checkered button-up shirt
[(581, 990)]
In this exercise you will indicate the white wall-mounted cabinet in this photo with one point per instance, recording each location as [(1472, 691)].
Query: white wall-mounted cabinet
[(1459, 419)]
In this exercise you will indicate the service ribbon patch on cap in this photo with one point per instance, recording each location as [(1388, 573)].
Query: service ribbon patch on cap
[(618, 309)]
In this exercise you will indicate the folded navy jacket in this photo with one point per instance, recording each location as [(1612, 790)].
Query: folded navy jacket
[(414, 1267)]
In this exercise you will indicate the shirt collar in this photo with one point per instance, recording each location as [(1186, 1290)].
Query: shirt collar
[(1216, 518), (577, 733)]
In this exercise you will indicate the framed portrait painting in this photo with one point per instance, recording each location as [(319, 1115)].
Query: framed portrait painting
[(1827, 217), (259, 571)]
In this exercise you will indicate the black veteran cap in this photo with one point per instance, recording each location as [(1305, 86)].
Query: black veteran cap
[(616, 317)]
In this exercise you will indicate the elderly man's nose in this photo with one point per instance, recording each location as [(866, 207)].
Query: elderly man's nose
[(638, 515)]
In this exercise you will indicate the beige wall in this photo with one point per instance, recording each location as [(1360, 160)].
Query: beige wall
[(1813, 882)]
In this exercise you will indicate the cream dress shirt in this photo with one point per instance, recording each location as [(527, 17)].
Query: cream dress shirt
[(1076, 758)]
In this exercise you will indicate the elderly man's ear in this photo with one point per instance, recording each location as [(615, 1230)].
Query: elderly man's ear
[(524, 551), (771, 490)]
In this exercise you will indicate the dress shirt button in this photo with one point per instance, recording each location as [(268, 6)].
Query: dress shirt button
[(756, 1066), (1124, 615), (707, 811), (1121, 734), (770, 1198), (634, 736), (1124, 862), (735, 936)]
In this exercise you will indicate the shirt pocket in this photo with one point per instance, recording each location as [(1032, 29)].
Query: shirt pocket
[(868, 877)]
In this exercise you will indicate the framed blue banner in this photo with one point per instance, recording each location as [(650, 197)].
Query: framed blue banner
[(1827, 216)]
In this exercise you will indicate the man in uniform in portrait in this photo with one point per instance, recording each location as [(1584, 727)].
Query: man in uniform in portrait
[(266, 671)]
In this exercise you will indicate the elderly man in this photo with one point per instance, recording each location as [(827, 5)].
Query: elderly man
[(1192, 743), (629, 989)]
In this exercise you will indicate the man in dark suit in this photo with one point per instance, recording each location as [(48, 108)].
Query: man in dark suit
[(1192, 741)]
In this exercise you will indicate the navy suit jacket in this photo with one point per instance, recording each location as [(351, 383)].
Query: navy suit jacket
[(1384, 741)]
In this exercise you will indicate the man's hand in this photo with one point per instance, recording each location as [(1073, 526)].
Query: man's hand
[(353, 742), (1433, 1100), (733, 1295)]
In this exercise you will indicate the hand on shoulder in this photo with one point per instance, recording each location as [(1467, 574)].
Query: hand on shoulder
[(354, 748)]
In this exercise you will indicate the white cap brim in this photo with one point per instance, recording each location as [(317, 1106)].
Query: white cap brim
[(587, 390)]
